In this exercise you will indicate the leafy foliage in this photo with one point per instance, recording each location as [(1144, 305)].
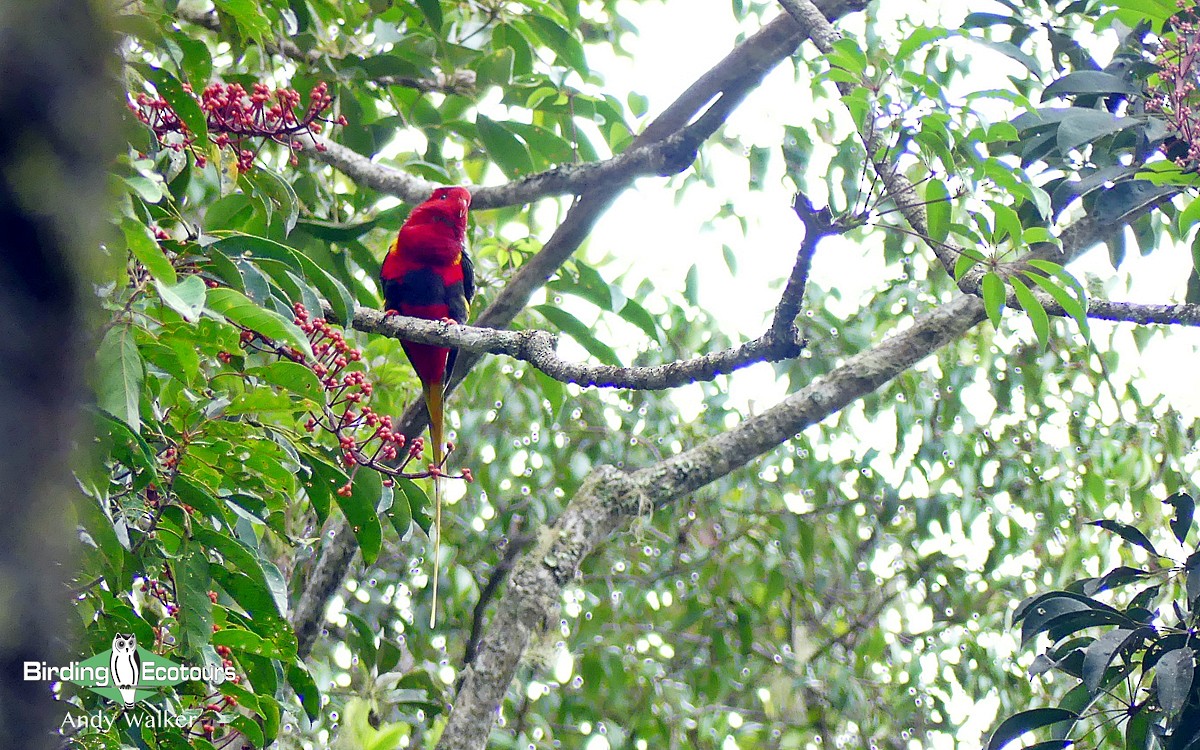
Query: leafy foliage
[(1141, 663)]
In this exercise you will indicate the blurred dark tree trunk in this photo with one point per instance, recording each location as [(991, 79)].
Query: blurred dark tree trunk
[(57, 120)]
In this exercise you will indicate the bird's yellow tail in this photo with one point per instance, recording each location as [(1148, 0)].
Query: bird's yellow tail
[(434, 395)]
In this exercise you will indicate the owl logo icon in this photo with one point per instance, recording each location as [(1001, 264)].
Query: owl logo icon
[(125, 665)]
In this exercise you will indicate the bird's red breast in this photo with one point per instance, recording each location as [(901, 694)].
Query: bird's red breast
[(427, 274)]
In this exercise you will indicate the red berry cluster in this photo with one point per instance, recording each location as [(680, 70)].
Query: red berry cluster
[(1176, 96), (235, 116), (210, 719), (365, 437)]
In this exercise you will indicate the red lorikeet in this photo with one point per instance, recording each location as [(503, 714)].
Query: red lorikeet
[(428, 274)]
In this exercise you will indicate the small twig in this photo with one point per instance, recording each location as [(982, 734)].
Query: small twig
[(516, 543)]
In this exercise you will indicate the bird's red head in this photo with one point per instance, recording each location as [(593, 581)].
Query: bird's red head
[(446, 203), (435, 231)]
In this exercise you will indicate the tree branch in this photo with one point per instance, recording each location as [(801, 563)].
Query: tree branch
[(822, 33), (456, 83)]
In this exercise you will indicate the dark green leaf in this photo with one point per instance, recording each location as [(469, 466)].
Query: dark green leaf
[(559, 39), (291, 376), (511, 155), (359, 509), (248, 14), (1185, 510), (1104, 649), (1089, 82), (306, 689), (184, 104), (146, 249), (1027, 721), (235, 307), (418, 503), (432, 9), (1086, 125), (1173, 678), (1033, 308), (1128, 533), (119, 374), (576, 329), (192, 584)]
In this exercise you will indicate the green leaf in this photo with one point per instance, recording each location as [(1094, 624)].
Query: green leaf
[(576, 329), (332, 290), (186, 298), (918, 38), (1100, 654), (1075, 304), (1089, 82), (937, 210), (1027, 721), (291, 376), (359, 509), (1008, 224), (633, 312), (1010, 51), (237, 308), (306, 689), (278, 190), (1185, 510), (510, 154), (1173, 678), (239, 556), (186, 107), (150, 191), (432, 9), (248, 14), (992, 287), (1087, 125), (119, 377), (396, 510), (146, 249), (1188, 217), (1137, 731), (565, 46), (192, 584), (245, 640), (1126, 532), (418, 503), (1037, 314), (846, 54), (691, 286)]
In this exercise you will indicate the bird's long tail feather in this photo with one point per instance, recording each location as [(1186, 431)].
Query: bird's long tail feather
[(434, 400)]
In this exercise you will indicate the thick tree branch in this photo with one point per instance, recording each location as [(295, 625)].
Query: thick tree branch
[(1134, 312), (664, 158), (538, 349)]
